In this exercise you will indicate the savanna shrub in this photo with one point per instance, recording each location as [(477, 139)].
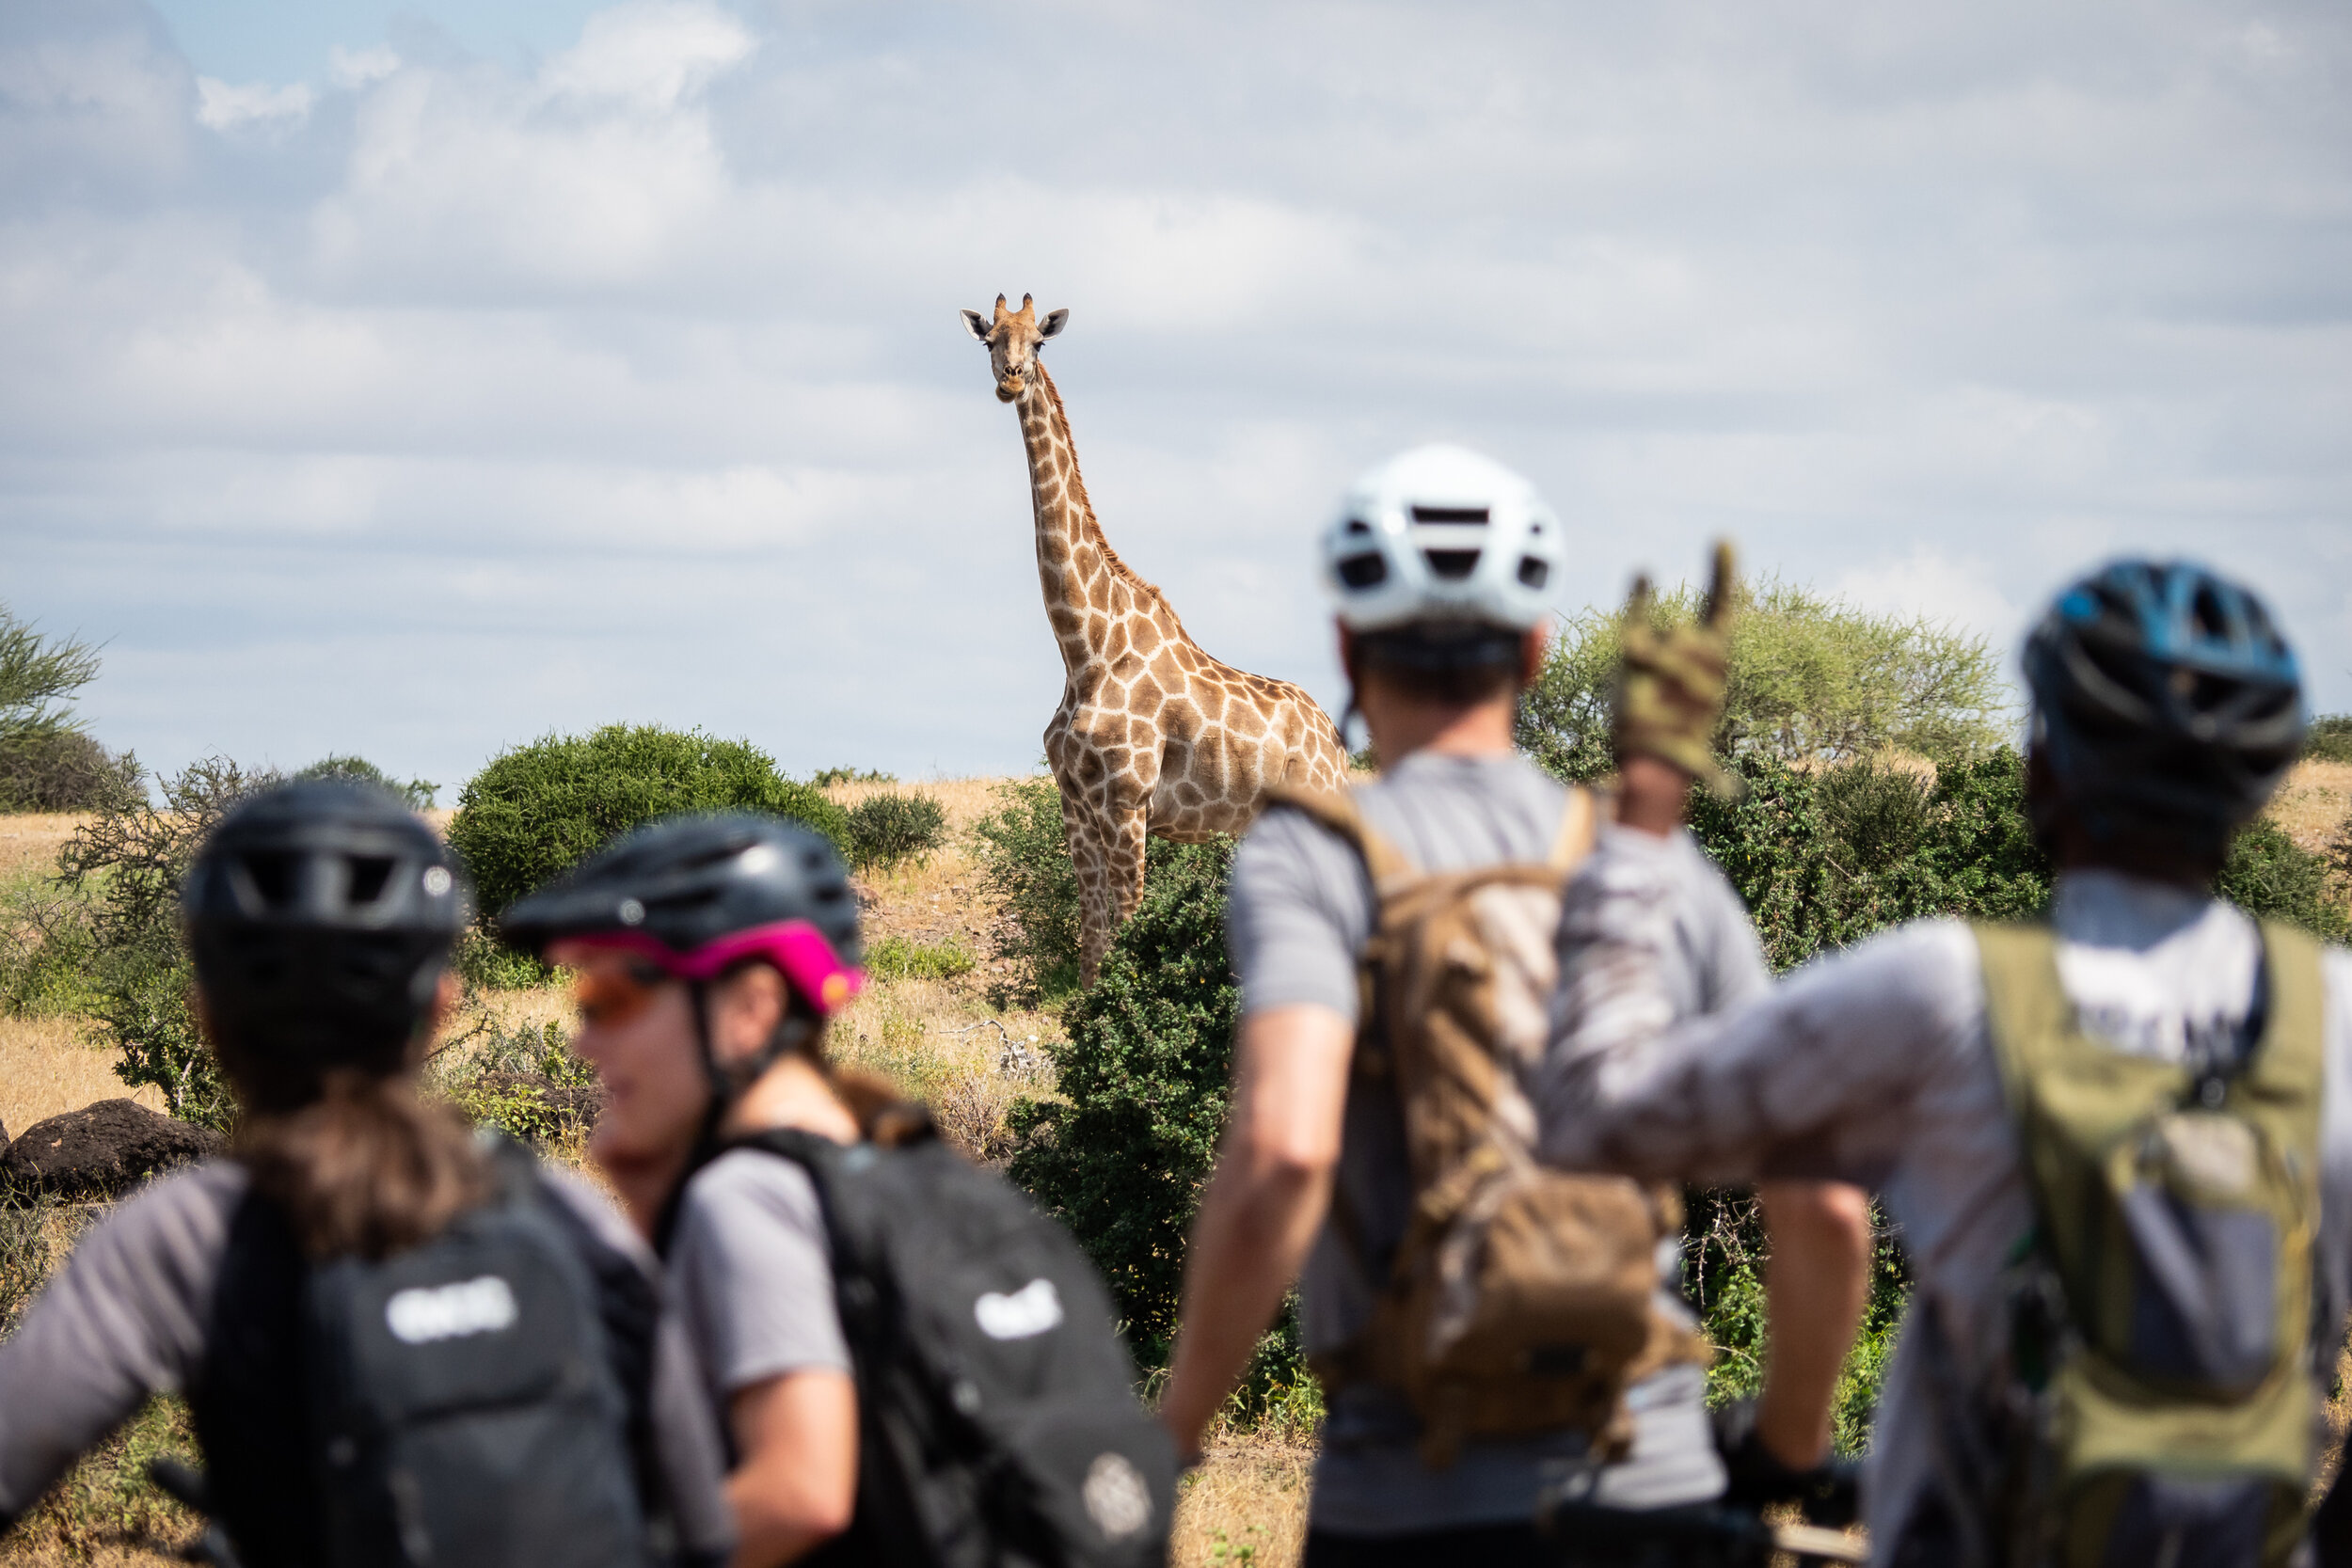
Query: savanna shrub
[(129, 863), (47, 762), (2330, 739), (826, 777), (889, 957), (537, 810), (1811, 678), (1120, 1158), (64, 769), (1824, 858), (2270, 874), (887, 829), (416, 793)]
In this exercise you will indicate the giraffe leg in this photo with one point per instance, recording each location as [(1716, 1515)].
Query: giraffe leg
[(1086, 832), (1120, 882)]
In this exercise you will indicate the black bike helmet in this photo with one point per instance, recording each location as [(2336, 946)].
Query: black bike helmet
[(698, 894), (320, 915), (2165, 701)]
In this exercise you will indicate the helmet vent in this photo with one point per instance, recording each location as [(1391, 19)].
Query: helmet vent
[(1357, 528), (2206, 616), (369, 873), (1534, 572), (1476, 515), (272, 878), (1363, 571), (1452, 566)]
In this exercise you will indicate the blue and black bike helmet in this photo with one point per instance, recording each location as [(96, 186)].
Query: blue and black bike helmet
[(2165, 701), (319, 914)]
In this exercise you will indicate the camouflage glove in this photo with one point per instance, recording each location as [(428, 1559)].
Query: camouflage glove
[(1670, 688)]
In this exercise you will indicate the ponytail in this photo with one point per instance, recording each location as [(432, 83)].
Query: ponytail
[(366, 1168)]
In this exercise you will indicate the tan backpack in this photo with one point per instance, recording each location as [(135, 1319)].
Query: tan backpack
[(1521, 1298)]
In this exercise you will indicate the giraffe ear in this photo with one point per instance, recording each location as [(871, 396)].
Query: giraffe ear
[(973, 324), (1052, 324)]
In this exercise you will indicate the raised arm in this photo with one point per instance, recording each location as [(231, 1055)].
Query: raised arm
[(1817, 1079)]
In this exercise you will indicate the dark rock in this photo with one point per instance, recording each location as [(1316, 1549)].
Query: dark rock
[(102, 1150), (555, 1108)]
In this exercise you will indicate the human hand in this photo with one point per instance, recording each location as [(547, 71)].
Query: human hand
[(1671, 683)]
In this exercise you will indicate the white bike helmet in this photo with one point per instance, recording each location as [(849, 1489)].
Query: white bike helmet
[(1441, 535)]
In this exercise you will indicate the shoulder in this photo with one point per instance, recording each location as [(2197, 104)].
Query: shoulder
[(744, 1192), (1286, 832), (166, 1241), (596, 1215), (191, 1206)]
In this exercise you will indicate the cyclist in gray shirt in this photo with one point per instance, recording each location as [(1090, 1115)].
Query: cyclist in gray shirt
[(320, 916), (1437, 660), (710, 952), (2167, 708)]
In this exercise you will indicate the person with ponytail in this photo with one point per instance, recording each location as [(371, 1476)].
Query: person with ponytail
[(401, 1341)]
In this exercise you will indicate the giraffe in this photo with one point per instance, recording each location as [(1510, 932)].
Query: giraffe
[(1153, 735)]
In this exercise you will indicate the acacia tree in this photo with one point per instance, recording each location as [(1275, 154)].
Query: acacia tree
[(1812, 679), (48, 762)]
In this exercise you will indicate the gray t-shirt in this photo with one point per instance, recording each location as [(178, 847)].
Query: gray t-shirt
[(754, 1273), (1299, 910), (1876, 1066), (125, 1318)]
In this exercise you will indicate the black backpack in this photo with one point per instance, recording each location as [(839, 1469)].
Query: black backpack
[(477, 1402), (999, 1426)]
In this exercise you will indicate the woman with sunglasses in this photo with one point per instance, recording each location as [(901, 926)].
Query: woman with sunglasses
[(710, 952), (401, 1342)]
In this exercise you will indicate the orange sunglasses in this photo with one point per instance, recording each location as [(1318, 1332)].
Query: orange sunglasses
[(615, 996)]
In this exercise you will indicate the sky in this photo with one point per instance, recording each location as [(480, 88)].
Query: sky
[(412, 382)]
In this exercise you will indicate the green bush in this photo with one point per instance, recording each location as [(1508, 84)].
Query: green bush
[(1026, 868), (825, 778), (1811, 678), (2270, 874), (896, 958), (887, 829), (1825, 857), (417, 793), (64, 769), (128, 862), (2330, 739), (1120, 1157), (535, 810)]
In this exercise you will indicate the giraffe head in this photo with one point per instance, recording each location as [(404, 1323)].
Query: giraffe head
[(1013, 340)]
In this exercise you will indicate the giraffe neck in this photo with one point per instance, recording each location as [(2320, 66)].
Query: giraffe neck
[(1076, 565)]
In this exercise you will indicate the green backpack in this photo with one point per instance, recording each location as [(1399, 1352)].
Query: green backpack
[(2160, 1358)]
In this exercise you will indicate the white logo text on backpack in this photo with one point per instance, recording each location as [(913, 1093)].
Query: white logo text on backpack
[(1025, 1313), (1116, 1497), (428, 1313)]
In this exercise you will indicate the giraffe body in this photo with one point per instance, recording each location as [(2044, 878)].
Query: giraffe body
[(1152, 736)]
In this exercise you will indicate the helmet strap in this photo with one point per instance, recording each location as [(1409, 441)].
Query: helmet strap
[(727, 1082)]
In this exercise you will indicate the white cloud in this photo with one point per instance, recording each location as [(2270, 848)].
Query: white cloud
[(649, 54), (354, 68), (474, 399), (222, 106)]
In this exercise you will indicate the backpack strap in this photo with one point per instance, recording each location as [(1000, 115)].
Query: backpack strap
[(1580, 822), (1336, 809)]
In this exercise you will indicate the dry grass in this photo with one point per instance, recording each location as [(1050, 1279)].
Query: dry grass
[(29, 841), (2312, 803), (47, 1066), (1250, 1495)]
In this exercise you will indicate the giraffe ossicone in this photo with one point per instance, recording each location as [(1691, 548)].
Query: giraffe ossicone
[(1154, 736)]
